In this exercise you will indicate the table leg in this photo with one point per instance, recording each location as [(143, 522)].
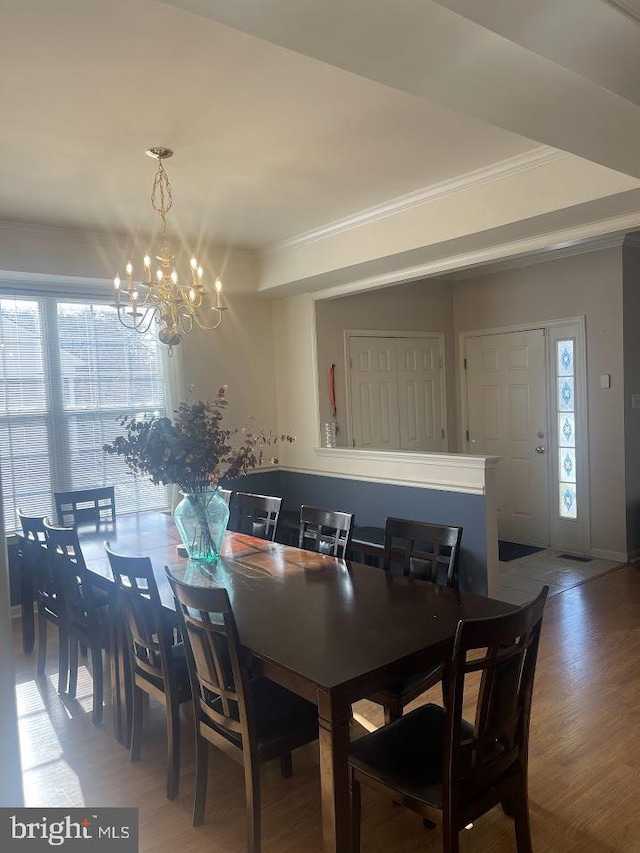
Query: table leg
[(334, 718)]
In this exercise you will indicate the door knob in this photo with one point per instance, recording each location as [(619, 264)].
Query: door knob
[(540, 448)]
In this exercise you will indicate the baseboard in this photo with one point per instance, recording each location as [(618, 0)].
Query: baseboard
[(616, 556)]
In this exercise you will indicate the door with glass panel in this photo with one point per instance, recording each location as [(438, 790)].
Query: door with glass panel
[(507, 417)]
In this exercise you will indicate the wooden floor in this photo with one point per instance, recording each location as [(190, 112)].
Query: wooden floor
[(584, 753)]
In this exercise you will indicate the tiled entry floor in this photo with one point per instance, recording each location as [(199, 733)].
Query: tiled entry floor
[(522, 579)]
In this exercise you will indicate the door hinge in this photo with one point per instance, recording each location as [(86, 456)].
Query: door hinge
[(465, 363), (439, 363), (467, 436), (353, 442), (441, 433)]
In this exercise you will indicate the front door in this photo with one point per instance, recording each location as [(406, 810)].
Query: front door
[(507, 417)]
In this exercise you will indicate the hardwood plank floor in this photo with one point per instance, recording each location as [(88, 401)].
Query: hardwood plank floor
[(584, 753)]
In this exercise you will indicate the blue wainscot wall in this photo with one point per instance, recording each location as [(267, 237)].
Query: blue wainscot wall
[(372, 502)]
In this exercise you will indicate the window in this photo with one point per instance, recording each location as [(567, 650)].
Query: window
[(566, 413), (68, 371)]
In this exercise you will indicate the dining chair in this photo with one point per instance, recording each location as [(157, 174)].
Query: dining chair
[(428, 552), (248, 717), (256, 515), (87, 618), (325, 531), (35, 561), (84, 506), (445, 768), (158, 666)]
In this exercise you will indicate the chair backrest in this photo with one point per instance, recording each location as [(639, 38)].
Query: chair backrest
[(150, 635), (325, 531), (71, 575), (422, 549), (34, 554), (225, 494), (218, 664), (504, 650), (256, 515), (86, 506)]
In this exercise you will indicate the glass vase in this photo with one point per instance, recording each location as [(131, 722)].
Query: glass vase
[(201, 518)]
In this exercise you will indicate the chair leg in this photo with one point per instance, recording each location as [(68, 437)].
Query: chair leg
[(42, 648), (137, 712), (286, 767), (173, 748), (450, 840), (63, 658), (252, 790), (202, 771), (520, 807), (356, 808), (391, 714), (98, 685), (73, 668)]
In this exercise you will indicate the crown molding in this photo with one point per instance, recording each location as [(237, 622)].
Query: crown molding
[(504, 169), (588, 237), (109, 239), (630, 8)]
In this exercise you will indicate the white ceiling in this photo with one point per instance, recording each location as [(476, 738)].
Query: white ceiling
[(289, 115)]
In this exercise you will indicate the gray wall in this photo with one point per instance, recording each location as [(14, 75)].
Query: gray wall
[(631, 338), (422, 306), (373, 502)]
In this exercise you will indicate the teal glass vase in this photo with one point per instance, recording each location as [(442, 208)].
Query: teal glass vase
[(201, 518)]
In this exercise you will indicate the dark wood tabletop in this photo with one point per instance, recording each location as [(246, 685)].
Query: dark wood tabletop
[(333, 631)]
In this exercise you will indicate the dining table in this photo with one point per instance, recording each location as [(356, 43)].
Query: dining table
[(332, 631)]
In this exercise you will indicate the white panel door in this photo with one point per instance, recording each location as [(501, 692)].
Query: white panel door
[(420, 394), (374, 393), (507, 417)]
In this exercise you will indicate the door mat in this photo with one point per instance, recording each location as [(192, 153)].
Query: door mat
[(574, 557), (508, 551)]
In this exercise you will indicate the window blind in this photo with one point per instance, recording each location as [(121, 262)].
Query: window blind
[(68, 371)]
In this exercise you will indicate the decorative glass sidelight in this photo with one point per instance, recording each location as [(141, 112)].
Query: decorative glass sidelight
[(566, 414)]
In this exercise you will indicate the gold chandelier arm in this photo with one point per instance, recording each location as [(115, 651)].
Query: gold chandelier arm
[(209, 328)]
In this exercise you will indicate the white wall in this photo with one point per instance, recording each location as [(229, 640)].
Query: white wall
[(239, 354), (97, 257), (589, 285), (424, 306)]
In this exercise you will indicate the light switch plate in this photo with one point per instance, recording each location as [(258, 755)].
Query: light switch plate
[(605, 380)]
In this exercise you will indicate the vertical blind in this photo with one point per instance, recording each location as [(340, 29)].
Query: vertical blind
[(68, 371)]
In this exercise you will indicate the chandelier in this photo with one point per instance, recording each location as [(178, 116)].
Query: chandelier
[(175, 307)]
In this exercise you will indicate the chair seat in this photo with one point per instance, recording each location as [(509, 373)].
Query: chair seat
[(411, 687), (180, 674), (279, 714), (407, 755)]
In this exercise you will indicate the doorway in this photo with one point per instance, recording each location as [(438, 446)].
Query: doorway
[(524, 400)]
